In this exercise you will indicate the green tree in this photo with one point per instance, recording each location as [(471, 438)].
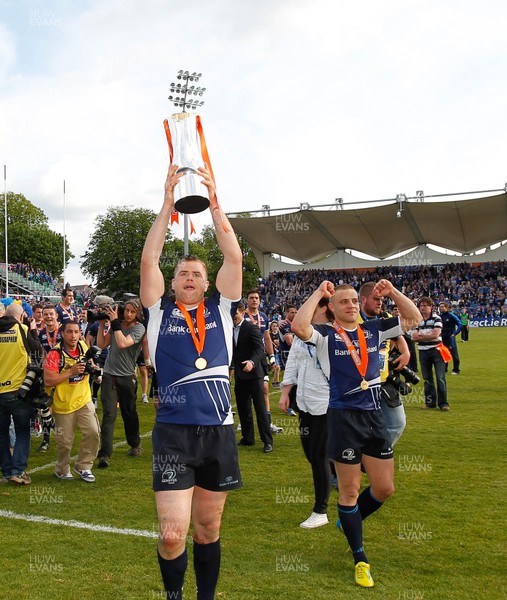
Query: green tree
[(207, 249), (113, 256), (21, 210), (30, 240), (39, 247)]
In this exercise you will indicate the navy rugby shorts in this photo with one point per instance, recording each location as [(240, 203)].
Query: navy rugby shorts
[(185, 456), (352, 433)]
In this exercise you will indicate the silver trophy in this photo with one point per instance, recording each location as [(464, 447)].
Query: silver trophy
[(187, 147)]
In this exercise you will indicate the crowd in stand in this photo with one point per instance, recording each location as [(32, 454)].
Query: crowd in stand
[(34, 274), (83, 295), (481, 288)]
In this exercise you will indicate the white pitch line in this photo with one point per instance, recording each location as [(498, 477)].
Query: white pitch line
[(8, 514), (53, 464)]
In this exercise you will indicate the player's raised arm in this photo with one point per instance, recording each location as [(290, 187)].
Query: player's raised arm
[(410, 316), (302, 323), (152, 280), (229, 277)]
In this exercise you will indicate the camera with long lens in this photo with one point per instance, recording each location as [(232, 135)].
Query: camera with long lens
[(33, 373), (100, 315), (43, 401), (103, 302), (91, 355), (394, 377), (46, 416)]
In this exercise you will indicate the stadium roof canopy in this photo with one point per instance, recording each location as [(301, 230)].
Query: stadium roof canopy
[(463, 226)]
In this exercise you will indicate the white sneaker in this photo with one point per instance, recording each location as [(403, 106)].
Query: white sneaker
[(144, 398), (314, 520), (64, 476), (238, 428), (85, 475), (275, 429)]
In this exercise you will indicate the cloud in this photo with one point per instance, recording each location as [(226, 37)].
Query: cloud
[(7, 51)]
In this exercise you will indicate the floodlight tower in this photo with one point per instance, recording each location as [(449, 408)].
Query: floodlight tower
[(183, 90), (185, 137), (401, 199)]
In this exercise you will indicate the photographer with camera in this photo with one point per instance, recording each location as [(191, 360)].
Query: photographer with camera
[(49, 336), (119, 383), (94, 317), (19, 348), (394, 356), (67, 369)]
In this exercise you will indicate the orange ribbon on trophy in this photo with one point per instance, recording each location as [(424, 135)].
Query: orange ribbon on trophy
[(214, 205)]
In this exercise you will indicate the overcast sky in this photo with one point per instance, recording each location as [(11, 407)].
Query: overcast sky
[(306, 101)]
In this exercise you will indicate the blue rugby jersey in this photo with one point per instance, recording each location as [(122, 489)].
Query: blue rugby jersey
[(189, 396), (340, 369), (49, 340), (260, 319), (285, 328)]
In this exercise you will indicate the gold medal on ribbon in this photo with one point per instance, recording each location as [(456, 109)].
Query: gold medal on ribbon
[(201, 363), (198, 336), (360, 358)]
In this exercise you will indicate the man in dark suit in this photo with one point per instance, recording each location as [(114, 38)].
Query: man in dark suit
[(247, 360)]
